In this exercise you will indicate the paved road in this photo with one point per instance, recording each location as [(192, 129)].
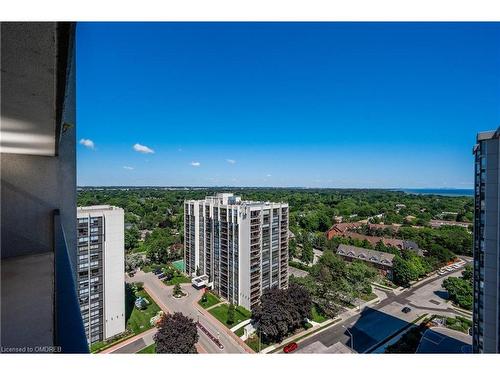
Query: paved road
[(380, 321), (189, 307)]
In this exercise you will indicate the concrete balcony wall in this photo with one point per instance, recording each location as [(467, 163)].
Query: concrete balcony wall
[(38, 175)]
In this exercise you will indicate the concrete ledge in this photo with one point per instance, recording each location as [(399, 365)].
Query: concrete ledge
[(27, 295)]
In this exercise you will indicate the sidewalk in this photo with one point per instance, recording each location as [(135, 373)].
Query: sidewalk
[(239, 325), (121, 344), (230, 333)]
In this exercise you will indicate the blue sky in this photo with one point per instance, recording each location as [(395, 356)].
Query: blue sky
[(284, 104)]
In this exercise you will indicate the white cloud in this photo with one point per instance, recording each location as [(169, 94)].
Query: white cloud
[(195, 163), (87, 143), (127, 167), (268, 175), (143, 149), (231, 161)]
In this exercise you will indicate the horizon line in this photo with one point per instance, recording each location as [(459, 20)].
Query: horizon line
[(275, 187)]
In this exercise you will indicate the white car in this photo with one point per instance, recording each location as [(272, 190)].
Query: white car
[(449, 269), (441, 273), (457, 266)]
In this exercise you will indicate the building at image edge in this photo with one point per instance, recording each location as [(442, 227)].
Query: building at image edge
[(242, 246), (486, 315)]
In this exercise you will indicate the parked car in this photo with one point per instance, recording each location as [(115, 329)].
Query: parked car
[(449, 269), (457, 266), (290, 347), (157, 271), (406, 309), (161, 275)]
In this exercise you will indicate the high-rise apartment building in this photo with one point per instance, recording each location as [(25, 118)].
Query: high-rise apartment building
[(486, 328), (242, 246), (100, 271)]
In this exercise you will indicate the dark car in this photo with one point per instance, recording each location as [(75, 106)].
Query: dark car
[(157, 271), (290, 347), (406, 309)]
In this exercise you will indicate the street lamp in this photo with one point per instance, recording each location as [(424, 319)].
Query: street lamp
[(352, 337)]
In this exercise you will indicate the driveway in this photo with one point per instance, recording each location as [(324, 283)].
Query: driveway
[(162, 294)]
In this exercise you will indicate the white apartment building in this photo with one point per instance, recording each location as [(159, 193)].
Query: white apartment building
[(100, 271), (242, 246)]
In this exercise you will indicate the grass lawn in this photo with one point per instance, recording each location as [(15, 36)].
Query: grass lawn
[(211, 300), (97, 345), (240, 314), (139, 319), (368, 297), (151, 349), (317, 315), (181, 279), (152, 267), (459, 324), (240, 331), (253, 342)]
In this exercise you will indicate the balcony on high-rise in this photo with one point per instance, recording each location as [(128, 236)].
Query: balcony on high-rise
[(39, 304)]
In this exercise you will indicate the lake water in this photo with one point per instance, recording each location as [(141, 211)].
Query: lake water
[(444, 192)]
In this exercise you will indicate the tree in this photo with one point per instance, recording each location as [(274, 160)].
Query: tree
[(131, 238), (176, 334), (403, 271), (133, 261), (292, 248), (169, 272), (300, 303), (307, 255), (468, 273), (230, 314), (157, 246), (204, 298), (459, 291), (281, 312), (380, 246), (359, 275), (331, 289), (177, 290)]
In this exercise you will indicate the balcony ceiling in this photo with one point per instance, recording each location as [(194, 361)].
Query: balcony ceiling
[(28, 93)]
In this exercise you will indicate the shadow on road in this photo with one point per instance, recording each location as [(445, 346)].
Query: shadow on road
[(441, 294)]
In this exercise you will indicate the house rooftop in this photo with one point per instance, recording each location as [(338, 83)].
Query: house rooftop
[(367, 255)]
